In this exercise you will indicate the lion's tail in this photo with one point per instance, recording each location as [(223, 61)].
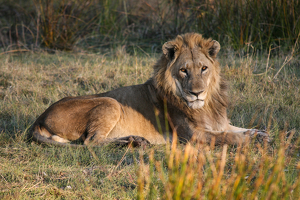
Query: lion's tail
[(38, 134)]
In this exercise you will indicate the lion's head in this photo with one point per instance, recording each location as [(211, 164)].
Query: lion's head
[(188, 72)]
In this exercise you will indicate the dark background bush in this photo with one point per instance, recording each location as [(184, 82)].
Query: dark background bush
[(96, 24)]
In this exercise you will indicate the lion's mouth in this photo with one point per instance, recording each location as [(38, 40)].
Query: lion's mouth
[(192, 101), (195, 104)]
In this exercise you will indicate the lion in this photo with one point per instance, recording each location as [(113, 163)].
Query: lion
[(186, 96)]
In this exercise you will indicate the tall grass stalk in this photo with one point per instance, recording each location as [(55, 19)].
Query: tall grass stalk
[(95, 24), (200, 172)]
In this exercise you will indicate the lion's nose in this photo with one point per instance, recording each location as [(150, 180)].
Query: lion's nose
[(195, 93)]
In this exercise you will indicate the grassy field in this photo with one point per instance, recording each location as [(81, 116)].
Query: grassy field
[(264, 94)]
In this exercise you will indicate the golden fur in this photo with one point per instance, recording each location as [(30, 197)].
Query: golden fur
[(186, 83)]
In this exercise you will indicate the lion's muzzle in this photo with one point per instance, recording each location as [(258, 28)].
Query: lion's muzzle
[(196, 104)]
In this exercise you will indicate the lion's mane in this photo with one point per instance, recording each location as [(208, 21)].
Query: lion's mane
[(216, 101)]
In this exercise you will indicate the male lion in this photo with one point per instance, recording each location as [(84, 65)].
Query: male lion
[(186, 86)]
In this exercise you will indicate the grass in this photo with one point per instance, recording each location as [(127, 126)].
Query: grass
[(30, 82), (264, 94)]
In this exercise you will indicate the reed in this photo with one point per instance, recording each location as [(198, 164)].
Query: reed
[(95, 24), (254, 171)]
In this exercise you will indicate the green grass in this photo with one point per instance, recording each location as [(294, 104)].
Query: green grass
[(30, 82)]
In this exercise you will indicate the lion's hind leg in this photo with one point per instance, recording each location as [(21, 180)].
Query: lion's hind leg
[(102, 119), (42, 135), (59, 139)]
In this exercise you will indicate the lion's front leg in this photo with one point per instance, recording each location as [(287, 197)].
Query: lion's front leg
[(260, 135), (246, 134), (232, 135)]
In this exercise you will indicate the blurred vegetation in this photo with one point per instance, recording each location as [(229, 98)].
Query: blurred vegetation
[(221, 173), (94, 24)]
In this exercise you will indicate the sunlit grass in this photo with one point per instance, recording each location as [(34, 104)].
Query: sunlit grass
[(205, 172), (29, 83)]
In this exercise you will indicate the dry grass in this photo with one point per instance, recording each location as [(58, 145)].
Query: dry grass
[(94, 24), (29, 83)]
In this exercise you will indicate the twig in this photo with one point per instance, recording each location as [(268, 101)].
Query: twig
[(286, 61), (93, 153), (143, 51), (119, 163), (37, 28), (268, 59), (4, 178), (28, 189), (130, 177), (14, 51)]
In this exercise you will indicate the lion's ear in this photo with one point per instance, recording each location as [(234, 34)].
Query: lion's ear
[(214, 49), (169, 49)]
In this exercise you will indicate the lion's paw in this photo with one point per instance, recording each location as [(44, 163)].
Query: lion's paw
[(134, 141), (137, 141), (259, 135)]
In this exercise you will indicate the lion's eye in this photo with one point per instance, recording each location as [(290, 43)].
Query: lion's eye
[(183, 70), (204, 68)]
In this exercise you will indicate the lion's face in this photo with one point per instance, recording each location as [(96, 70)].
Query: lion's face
[(192, 68), (192, 76)]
